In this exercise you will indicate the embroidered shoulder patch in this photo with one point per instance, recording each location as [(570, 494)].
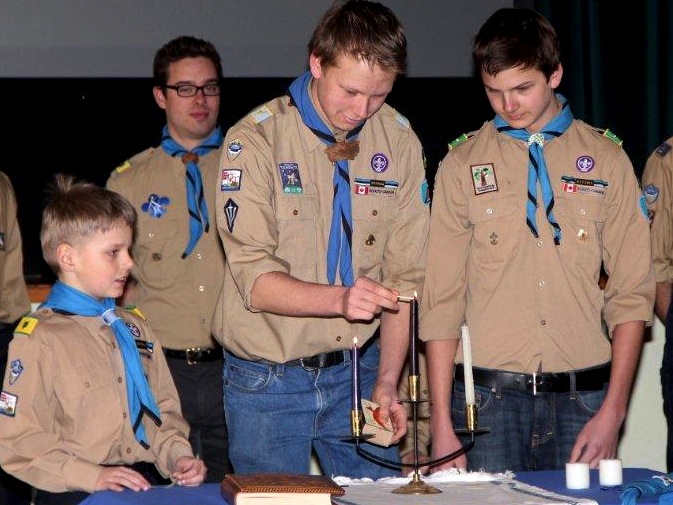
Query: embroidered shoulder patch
[(483, 178), (26, 325), (133, 309), (8, 403)]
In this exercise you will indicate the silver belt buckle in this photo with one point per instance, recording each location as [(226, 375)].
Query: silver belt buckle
[(534, 384)]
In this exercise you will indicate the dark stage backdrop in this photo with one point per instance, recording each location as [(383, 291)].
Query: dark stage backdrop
[(87, 127)]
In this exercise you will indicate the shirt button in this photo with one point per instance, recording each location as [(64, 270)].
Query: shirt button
[(128, 450), (203, 321), (119, 379), (375, 212), (489, 211), (583, 212), (199, 256), (124, 415), (541, 284), (295, 212), (539, 243), (543, 322), (156, 256), (150, 234), (202, 288), (338, 338)]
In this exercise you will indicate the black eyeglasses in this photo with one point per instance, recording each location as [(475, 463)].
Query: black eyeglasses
[(189, 90)]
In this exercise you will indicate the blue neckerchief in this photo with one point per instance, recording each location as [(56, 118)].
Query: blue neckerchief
[(140, 398), (340, 244), (196, 203), (537, 167)]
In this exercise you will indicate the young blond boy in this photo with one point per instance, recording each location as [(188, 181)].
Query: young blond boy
[(88, 403)]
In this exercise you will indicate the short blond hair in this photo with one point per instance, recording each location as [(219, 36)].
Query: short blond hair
[(75, 210)]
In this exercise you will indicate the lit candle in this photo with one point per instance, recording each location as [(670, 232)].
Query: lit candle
[(355, 365), (467, 366), (413, 336)]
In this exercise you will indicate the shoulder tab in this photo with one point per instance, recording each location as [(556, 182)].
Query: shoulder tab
[(26, 325), (260, 114), (134, 160), (402, 120), (607, 133), (455, 143), (134, 310), (663, 149)]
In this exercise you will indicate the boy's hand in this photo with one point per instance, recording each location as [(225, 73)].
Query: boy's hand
[(118, 478), (189, 471)]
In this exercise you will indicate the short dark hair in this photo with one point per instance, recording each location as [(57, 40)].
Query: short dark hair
[(516, 37), (361, 29), (76, 210), (180, 48)]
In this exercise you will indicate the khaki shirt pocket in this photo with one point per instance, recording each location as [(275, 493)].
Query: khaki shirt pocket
[(297, 236), (372, 218), (581, 219), (155, 256), (497, 225)]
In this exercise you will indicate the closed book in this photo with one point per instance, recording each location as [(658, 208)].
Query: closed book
[(279, 489)]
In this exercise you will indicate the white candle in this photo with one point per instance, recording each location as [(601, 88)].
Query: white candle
[(467, 366), (577, 476), (610, 472)]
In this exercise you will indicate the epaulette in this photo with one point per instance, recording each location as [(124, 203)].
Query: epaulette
[(133, 160), (663, 149), (608, 134), (460, 140), (26, 325), (402, 120), (260, 114), (134, 310)]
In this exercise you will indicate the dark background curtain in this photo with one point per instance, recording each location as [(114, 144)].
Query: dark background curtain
[(618, 64)]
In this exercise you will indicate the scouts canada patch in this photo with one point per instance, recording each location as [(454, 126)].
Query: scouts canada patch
[(8, 403), (290, 178), (230, 212), (135, 331), (374, 187), (594, 187), (15, 370), (155, 205), (484, 179), (231, 180)]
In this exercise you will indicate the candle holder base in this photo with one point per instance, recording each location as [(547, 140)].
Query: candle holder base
[(416, 486), (477, 432)]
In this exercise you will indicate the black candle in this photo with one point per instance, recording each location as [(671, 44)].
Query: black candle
[(413, 336), (355, 375)]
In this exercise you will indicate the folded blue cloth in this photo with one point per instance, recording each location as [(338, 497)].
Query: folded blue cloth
[(657, 485)]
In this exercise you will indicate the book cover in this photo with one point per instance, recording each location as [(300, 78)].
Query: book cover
[(239, 489)]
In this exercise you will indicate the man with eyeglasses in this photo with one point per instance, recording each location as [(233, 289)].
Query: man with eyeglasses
[(179, 260)]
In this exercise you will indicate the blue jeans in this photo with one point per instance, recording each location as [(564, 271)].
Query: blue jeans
[(276, 414), (526, 432), (666, 373)]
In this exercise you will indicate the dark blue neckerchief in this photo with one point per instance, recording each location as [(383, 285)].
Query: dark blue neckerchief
[(340, 244), (196, 203), (140, 398), (537, 167)]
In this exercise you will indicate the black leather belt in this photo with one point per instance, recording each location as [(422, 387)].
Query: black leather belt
[(195, 355), (323, 360), (587, 379)]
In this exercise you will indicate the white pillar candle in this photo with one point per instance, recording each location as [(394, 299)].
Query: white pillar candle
[(610, 472), (467, 365), (577, 475)]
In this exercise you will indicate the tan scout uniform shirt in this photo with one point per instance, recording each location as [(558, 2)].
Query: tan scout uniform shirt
[(13, 294), (71, 411), (178, 296), (270, 224), (658, 190), (531, 305)]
